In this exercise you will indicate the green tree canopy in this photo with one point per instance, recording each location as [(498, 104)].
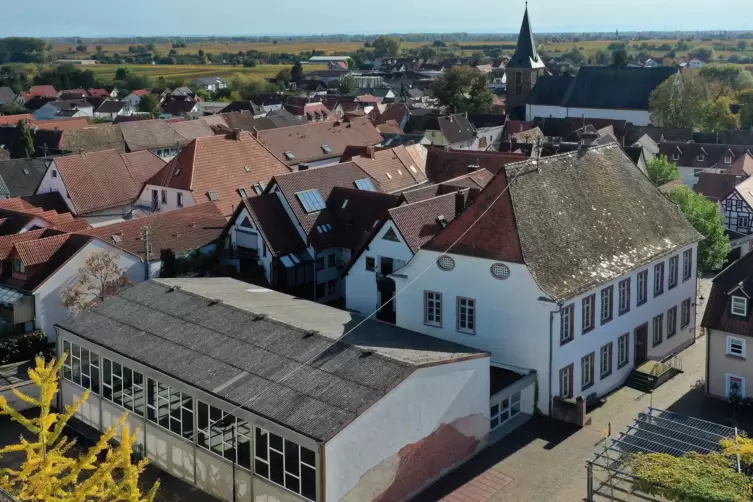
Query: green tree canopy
[(726, 79), (283, 78), (24, 147), (122, 73), (679, 101), (346, 85), (386, 46), (463, 89), (661, 170), (706, 218), (620, 57), (296, 73), (718, 116), (149, 104), (745, 99)]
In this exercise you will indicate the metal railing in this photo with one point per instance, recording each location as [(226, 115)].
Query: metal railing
[(661, 367)]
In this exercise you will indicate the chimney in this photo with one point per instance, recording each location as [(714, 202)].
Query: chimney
[(303, 167), (237, 134), (459, 203), (371, 152)]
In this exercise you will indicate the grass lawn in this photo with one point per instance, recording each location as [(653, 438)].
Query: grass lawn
[(106, 73)]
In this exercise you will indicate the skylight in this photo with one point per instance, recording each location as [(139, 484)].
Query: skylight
[(243, 192), (259, 188), (212, 195), (326, 149), (365, 184), (345, 203), (389, 176), (311, 200), (289, 155), (247, 169), (26, 171), (413, 169), (323, 229), (177, 171)]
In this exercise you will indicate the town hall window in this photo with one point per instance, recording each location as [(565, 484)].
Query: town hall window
[(466, 315), (673, 266), (607, 304), (624, 296), (589, 303), (433, 308), (642, 287), (687, 264), (659, 279), (739, 306), (566, 324)]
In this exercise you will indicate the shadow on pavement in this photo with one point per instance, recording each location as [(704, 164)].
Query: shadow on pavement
[(536, 429)]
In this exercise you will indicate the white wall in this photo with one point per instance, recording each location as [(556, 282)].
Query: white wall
[(592, 341), (362, 459), (511, 322), (48, 302), (637, 117), (361, 293), (52, 183), (145, 199), (250, 238)]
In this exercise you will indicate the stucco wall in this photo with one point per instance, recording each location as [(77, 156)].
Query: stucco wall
[(511, 322), (52, 183), (145, 199), (429, 423), (48, 301), (361, 293), (108, 216), (720, 364), (636, 117)]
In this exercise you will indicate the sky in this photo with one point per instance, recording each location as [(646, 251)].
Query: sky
[(107, 18)]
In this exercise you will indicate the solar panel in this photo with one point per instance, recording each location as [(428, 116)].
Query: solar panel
[(311, 200), (365, 184)]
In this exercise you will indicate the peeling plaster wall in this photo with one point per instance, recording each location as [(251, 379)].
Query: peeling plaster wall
[(430, 423)]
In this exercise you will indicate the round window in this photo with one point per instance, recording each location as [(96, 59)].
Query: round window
[(446, 263), (500, 271)]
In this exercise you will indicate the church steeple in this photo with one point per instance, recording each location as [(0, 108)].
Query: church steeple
[(525, 54)]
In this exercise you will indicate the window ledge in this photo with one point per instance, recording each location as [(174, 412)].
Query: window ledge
[(672, 287), (466, 332), (432, 325), (605, 375), (736, 356), (656, 344), (586, 387), (670, 335), (565, 342), (626, 311), (606, 321), (642, 302), (587, 330), (620, 366), (656, 295)]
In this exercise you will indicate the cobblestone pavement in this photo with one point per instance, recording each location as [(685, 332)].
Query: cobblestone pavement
[(544, 460)]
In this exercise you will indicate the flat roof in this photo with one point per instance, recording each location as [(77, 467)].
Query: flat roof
[(237, 341)]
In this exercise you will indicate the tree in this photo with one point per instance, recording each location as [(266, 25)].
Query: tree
[(346, 85), (726, 79), (427, 53), (745, 99), (81, 48), (12, 109), (24, 147), (463, 89), (620, 57), (50, 472), (718, 116), (100, 278), (702, 53), (386, 46), (122, 73), (679, 101), (742, 45), (149, 104), (283, 78), (706, 218), (296, 73), (661, 170)]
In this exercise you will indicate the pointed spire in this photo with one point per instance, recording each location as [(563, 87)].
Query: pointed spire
[(525, 54)]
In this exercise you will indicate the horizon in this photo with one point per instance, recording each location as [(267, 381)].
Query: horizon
[(66, 20)]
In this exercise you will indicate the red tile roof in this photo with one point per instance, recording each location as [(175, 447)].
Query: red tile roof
[(36, 252), (418, 223), (310, 142), (220, 164), (44, 91), (444, 164), (13, 119), (718, 186), (143, 165), (101, 180), (389, 127), (8, 241), (141, 92), (743, 165), (99, 93), (393, 168), (396, 112), (64, 124), (182, 231)]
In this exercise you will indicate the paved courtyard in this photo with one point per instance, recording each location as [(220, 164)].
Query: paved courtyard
[(545, 460)]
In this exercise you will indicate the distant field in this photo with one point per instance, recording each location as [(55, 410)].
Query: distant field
[(106, 73)]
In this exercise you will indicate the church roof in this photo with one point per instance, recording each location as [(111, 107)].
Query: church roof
[(525, 55)]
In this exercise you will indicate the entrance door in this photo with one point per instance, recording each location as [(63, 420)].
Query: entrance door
[(155, 200), (641, 344)]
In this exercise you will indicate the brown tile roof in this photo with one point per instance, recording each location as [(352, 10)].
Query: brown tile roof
[(736, 279), (66, 124), (444, 164), (389, 127), (35, 252), (743, 165), (94, 139), (101, 180), (150, 135), (564, 206), (44, 256), (274, 224), (192, 129), (76, 225), (717, 186), (309, 142), (396, 112), (352, 221), (240, 120), (476, 181), (393, 168), (8, 241), (220, 164), (143, 165), (13, 119), (668, 187), (182, 231), (418, 223)]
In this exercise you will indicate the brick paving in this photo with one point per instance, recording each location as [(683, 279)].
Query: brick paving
[(545, 460)]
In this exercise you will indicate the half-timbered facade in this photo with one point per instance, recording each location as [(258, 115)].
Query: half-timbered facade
[(737, 208)]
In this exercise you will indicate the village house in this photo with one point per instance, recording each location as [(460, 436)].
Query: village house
[(224, 169), (318, 144), (93, 139), (211, 84), (696, 158), (396, 169), (564, 274), (21, 177), (727, 320), (40, 91), (230, 443), (101, 187), (111, 109), (9, 97), (454, 131), (64, 109), (737, 211), (156, 136), (134, 98)]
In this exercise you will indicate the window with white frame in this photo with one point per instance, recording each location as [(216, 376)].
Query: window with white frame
[(123, 386), (624, 296), (566, 324), (658, 279), (735, 386), (566, 382), (727, 159), (623, 350), (742, 221), (674, 263), (466, 315), (735, 346), (587, 309), (642, 293), (738, 204), (285, 463), (607, 305), (685, 313), (587, 371), (504, 410), (687, 264), (671, 322), (606, 360), (169, 408), (432, 308), (81, 366), (675, 157), (657, 326), (701, 157), (224, 434), (739, 306)]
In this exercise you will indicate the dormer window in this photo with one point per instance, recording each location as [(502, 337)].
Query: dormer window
[(701, 157), (727, 159), (19, 267), (675, 157), (739, 305)]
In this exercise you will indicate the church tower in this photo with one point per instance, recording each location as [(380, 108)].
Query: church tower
[(523, 70)]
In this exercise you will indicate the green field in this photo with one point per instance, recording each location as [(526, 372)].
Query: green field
[(106, 73)]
